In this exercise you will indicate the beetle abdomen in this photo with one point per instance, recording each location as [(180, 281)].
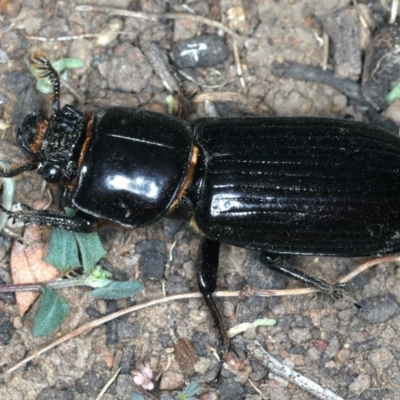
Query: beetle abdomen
[(135, 166), (300, 185)]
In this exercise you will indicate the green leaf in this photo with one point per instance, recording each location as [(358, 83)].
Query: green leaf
[(172, 104), (394, 94), (98, 278), (244, 326), (192, 389), (51, 312), (90, 248), (166, 397), (137, 396), (63, 250), (100, 273), (44, 86), (118, 290), (67, 63), (8, 196)]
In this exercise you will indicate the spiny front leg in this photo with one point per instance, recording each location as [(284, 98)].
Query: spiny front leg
[(53, 219)]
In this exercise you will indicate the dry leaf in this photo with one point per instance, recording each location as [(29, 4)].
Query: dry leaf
[(186, 356), (28, 266), (235, 16)]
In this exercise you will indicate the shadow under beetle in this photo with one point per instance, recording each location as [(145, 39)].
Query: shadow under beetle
[(284, 186)]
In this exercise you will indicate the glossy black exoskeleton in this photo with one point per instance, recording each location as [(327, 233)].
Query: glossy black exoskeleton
[(283, 186)]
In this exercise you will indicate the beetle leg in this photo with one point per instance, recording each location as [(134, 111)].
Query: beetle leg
[(207, 268), (51, 218), (10, 173), (279, 263)]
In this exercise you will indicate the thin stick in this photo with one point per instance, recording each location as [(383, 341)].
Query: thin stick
[(238, 64), (155, 17), (362, 19), (325, 47), (257, 390), (278, 368), (93, 324), (108, 384), (393, 11), (368, 264)]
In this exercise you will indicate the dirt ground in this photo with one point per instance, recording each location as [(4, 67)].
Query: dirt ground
[(330, 342)]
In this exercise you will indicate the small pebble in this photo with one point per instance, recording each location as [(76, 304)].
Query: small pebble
[(17, 322), (228, 308), (320, 344), (300, 335), (10, 8), (153, 259), (3, 57), (230, 389), (3, 98), (209, 396), (202, 51), (109, 32), (380, 358), (343, 355), (379, 308), (360, 384), (127, 70), (172, 380), (342, 28)]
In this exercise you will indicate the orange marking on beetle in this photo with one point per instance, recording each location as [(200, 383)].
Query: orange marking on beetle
[(71, 185), (85, 143), (188, 179), (41, 130), (195, 227)]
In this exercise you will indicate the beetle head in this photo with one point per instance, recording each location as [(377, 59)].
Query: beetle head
[(50, 144)]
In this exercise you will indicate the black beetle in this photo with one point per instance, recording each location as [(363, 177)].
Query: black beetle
[(284, 186)]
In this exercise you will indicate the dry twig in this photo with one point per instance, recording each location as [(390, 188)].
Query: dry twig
[(278, 368), (155, 17)]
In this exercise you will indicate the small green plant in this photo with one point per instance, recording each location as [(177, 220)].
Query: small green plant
[(69, 251), (44, 85), (189, 393), (394, 94), (8, 186)]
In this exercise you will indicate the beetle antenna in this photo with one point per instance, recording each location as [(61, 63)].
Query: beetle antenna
[(10, 173), (42, 64)]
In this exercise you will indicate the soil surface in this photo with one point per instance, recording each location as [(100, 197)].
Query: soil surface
[(330, 342)]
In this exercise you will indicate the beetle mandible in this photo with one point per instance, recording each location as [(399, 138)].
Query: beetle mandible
[(284, 186)]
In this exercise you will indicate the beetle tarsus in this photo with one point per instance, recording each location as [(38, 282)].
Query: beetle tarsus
[(280, 264), (336, 291), (352, 301)]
